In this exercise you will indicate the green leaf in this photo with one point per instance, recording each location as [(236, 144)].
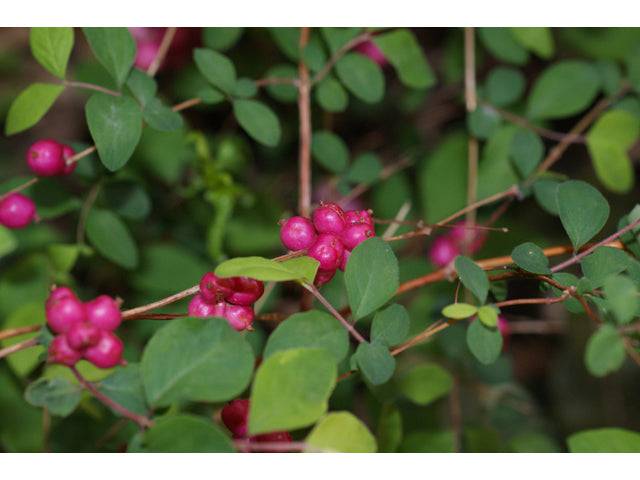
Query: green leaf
[(161, 117), (51, 47), (341, 432), (375, 362), (115, 124), (330, 151), (258, 121), (429, 442), (535, 39), (366, 168), (216, 68), (124, 386), (369, 262), (488, 315), (245, 88), (583, 210), (114, 48), (608, 141), (602, 263), (504, 86), (211, 96), (530, 257), (221, 38), (111, 237), (496, 172), (389, 429), (142, 86), (459, 311), (484, 343), (58, 395), (285, 93), (264, 269), (402, 50), (186, 434), (622, 296), (391, 325), (127, 198), (604, 440), (312, 329), (605, 351), (331, 95), (526, 152), (305, 268), (443, 174), (472, 277), (30, 106), (563, 89), (8, 241), (545, 191), (503, 45), (426, 383), (362, 77), (195, 359), (291, 390), (483, 122), (63, 256)]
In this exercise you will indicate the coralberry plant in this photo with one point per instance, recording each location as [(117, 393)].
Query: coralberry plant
[(320, 239)]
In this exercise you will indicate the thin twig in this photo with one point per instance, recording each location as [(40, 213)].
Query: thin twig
[(350, 328), (304, 112), (20, 187), (341, 52), (80, 155), (192, 102), (84, 212), (275, 447), (165, 45), (471, 103), (385, 173), (141, 420), (400, 216), (91, 86), (15, 332), (263, 82), (512, 191), (16, 347), (136, 312)]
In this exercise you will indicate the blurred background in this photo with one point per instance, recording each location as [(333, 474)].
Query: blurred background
[(207, 192)]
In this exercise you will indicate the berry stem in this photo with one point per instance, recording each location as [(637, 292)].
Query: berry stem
[(386, 172), (304, 112), (91, 86), (165, 45), (192, 102), (263, 82), (316, 293), (21, 187), (80, 155), (32, 342), (14, 332), (141, 420), (275, 447), (136, 312), (471, 103)]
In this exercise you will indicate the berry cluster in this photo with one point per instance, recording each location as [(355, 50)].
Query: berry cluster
[(329, 236), (149, 39), (229, 298), (85, 330), (48, 158), (448, 246), (235, 416)]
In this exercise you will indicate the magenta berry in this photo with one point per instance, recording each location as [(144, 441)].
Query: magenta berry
[(82, 335), (61, 352), (104, 313), (443, 251), (214, 289), (235, 416), (369, 49), (67, 153), (199, 307), (240, 317), (107, 352), (62, 313), (278, 437), (324, 276), (146, 54), (297, 233), (475, 238), (245, 291), (355, 235), (329, 218), (344, 260), (328, 251), (59, 293), (356, 217), (17, 211), (45, 158)]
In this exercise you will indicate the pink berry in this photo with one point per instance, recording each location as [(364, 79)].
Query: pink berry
[(344, 260), (63, 313), (235, 416), (59, 293), (146, 54), (240, 317), (67, 153), (323, 276), (329, 218), (443, 251), (82, 335), (476, 238), (371, 50), (245, 291), (104, 313), (356, 217), (45, 159), (297, 233), (199, 307), (355, 235), (107, 352), (503, 326), (214, 289), (17, 211), (278, 437), (61, 352), (327, 250)]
